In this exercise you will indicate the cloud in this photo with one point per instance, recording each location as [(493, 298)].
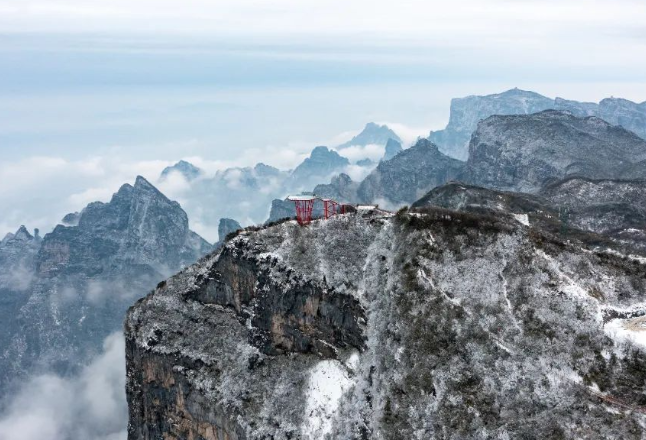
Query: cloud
[(91, 405)]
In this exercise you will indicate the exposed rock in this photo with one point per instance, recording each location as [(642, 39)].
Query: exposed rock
[(372, 134), (522, 153), (408, 176), (431, 324), (467, 112), (85, 277), (393, 148), (281, 209), (71, 219), (341, 188), (603, 214), (319, 167), (227, 226), (186, 169)]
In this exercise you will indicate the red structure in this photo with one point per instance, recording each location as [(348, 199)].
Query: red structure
[(304, 206), (330, 207)]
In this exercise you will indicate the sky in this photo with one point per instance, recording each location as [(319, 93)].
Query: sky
[(94, 92)]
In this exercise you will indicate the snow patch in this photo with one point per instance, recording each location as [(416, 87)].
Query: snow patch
[(522, 218), (628, 330), (328, 380)]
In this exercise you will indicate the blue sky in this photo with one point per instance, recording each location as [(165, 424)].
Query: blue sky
[(92, 93)]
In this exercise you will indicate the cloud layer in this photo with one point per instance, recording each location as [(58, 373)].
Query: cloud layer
[(91, 405)]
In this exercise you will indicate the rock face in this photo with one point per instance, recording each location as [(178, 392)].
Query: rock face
[(431, 324), (372, 134), (602, 213), (227, 226), (467, 112), (341, 188), (409, 175), (85, 277), (522, 153), (186, 169), (393, 148), (616, 208), (17, 259), (317, 168)]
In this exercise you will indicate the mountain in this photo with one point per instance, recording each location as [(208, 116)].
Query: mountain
[(341, 188), (409, 175), (84, 277), (601, 213), (523, 152), (186, 169), (467, 112), (372, 134), (424, 324), (227, 226), (17, 258), (393, 148), (317, 168)]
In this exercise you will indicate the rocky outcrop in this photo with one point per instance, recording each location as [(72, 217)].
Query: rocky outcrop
[(430, 324), (372, 134), (341, 188), (226, 227), (319, 167), (183, 168), (393, 148), (467, 112), (83, 278), (523, 153), (408, 176), (601, 213)]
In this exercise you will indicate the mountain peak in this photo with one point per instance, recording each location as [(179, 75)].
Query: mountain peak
[(392, 149), (372, 134), (186, 169)]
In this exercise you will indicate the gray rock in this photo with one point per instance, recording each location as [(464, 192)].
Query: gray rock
[(227, 226), (84, 277), (71, 219), (432, 324), (467, 112), (372, 134), (408, 176), (522, 153), (393, 148), (341, 188), (319, 167), (186, 169)]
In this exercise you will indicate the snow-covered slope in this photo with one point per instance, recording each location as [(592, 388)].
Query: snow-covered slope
[(428, 324)]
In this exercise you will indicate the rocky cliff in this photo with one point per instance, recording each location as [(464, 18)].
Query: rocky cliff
[(372, 134), (83, 278), (523, 153), (409, 175), (467, 112), (427, 324)]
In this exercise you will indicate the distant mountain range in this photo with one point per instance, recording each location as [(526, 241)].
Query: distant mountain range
[(467, 112)]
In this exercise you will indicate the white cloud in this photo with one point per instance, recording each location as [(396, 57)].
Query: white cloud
[(91, 405)]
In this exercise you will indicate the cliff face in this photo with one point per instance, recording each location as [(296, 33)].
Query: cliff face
[(523, 153), (409, 175), (429, 324), (79, 280), (467, 112)]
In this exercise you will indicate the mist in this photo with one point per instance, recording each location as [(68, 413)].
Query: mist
[(91, 405)]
